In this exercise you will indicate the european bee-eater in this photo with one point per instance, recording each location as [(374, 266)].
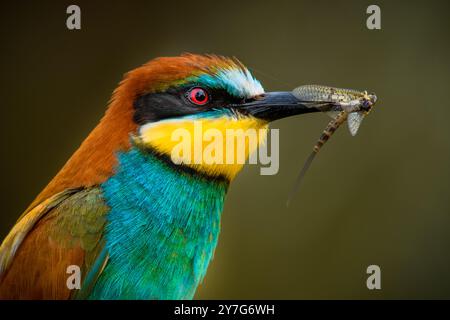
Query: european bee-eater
[(138, 225)]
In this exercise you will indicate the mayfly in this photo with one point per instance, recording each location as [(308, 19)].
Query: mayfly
[(342, 105)]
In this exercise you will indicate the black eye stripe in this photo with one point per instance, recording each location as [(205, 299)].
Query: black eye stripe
[(175, 102)]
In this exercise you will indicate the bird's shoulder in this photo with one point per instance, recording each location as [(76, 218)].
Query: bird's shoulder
[(64, 230)]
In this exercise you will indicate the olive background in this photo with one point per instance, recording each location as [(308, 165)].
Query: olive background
[(381, 197)]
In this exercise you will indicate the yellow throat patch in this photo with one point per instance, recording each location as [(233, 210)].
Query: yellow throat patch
[(213, 146)]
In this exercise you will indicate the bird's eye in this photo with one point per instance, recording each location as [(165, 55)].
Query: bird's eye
[(198, 96)]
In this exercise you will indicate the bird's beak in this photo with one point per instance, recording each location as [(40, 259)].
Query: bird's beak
[(272, 106)]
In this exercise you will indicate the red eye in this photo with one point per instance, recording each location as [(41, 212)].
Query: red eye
[(198, 96)]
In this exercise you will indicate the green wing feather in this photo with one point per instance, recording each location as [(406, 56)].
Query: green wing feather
[(76, 218), (80, 221), (24, 225)]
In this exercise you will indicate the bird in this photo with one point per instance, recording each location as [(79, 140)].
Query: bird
[(137, 224)]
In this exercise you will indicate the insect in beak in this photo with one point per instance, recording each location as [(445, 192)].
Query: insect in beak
[(341, 105)]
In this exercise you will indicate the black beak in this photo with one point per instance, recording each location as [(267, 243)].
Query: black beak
[(272, 106)]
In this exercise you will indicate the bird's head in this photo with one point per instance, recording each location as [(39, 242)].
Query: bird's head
[(220, 93)]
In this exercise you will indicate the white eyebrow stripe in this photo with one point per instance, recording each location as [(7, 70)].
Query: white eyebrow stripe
[(241, 81)]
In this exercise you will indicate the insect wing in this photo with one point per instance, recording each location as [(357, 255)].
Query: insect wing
[(326, 99), (313, 93), (354, 120)]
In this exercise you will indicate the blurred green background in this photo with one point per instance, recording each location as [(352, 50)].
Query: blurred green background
[(379, 198)]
